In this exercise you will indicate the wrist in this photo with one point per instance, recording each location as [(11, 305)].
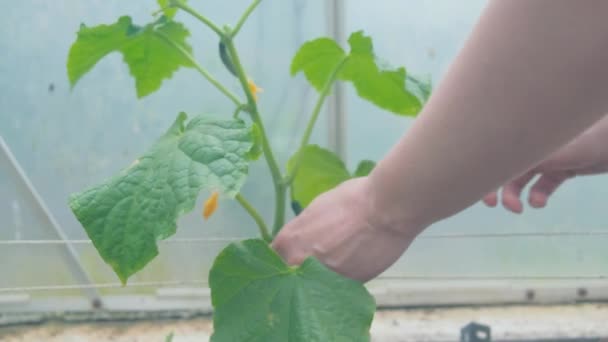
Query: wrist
[(387, 212)]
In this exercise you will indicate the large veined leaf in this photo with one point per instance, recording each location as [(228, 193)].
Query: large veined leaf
[(259, 298), (387, 88), (125, 215), (319, 170), (149, 51)]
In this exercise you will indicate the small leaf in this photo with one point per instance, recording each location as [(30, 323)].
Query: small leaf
[(319, 170), (125, 215), (317, 59), (364, 168), (169, 338), (385, 88), (150, 57), (168, 10), (257, 297)]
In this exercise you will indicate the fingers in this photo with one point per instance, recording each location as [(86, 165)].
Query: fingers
[(544, 187), (539, 193), (511, 192), (286, 244), (491, 199)]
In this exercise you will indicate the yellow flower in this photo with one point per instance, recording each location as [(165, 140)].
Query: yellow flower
[(254, 89), (210, 205)]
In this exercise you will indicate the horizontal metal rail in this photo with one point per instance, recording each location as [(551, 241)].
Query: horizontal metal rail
[(499, 235), (202, 282)]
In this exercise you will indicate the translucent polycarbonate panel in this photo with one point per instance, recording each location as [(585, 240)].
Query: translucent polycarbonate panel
[(425, 36), (23, 218), (68, 139)]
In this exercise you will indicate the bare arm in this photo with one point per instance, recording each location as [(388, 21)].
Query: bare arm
[(531, 77)]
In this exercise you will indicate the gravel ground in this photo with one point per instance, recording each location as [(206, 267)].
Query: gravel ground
[(513, 322)]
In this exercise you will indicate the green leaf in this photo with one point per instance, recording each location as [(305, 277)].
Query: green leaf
[(168, 10), (148, 50), (421, 87), (385, 88), (169, 338), (319, 170), (317, 59), (125, 215), (257, 297), (364, 168)]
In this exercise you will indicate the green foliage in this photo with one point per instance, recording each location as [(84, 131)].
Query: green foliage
[(148, 50), (421, 87), (319, 170), (168, 10), (385, 88), (317, 59), (364, 168), (257, 297), (125, 215), (169, 338)]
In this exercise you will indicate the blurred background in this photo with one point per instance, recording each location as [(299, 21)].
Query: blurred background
[(56, 140)]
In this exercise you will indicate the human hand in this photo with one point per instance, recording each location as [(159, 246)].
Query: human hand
[(343, 230), (585, 155)]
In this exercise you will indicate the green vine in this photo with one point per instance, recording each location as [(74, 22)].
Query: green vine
[(313, 118), (126, 214)]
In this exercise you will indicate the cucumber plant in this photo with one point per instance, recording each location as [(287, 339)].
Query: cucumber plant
[(255, 295)]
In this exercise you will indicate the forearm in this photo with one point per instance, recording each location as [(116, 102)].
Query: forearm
[(586, 150), (530, 78)]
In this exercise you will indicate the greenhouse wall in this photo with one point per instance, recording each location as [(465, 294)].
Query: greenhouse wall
[(56, 140)]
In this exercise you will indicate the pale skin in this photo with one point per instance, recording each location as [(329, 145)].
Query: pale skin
[(526, 95)]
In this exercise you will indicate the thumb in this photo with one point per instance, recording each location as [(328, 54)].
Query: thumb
[(286, 243)]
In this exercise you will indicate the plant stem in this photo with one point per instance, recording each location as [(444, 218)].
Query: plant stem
[(226, 37), (277, 178), (256, 217), (238, 110), (183, 6), (313, 118), (202, 70), (244, 17)]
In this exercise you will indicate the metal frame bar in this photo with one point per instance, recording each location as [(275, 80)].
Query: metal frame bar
[(424, 236), (388, 292), (72, 257), (544, 323), (337, 125)]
